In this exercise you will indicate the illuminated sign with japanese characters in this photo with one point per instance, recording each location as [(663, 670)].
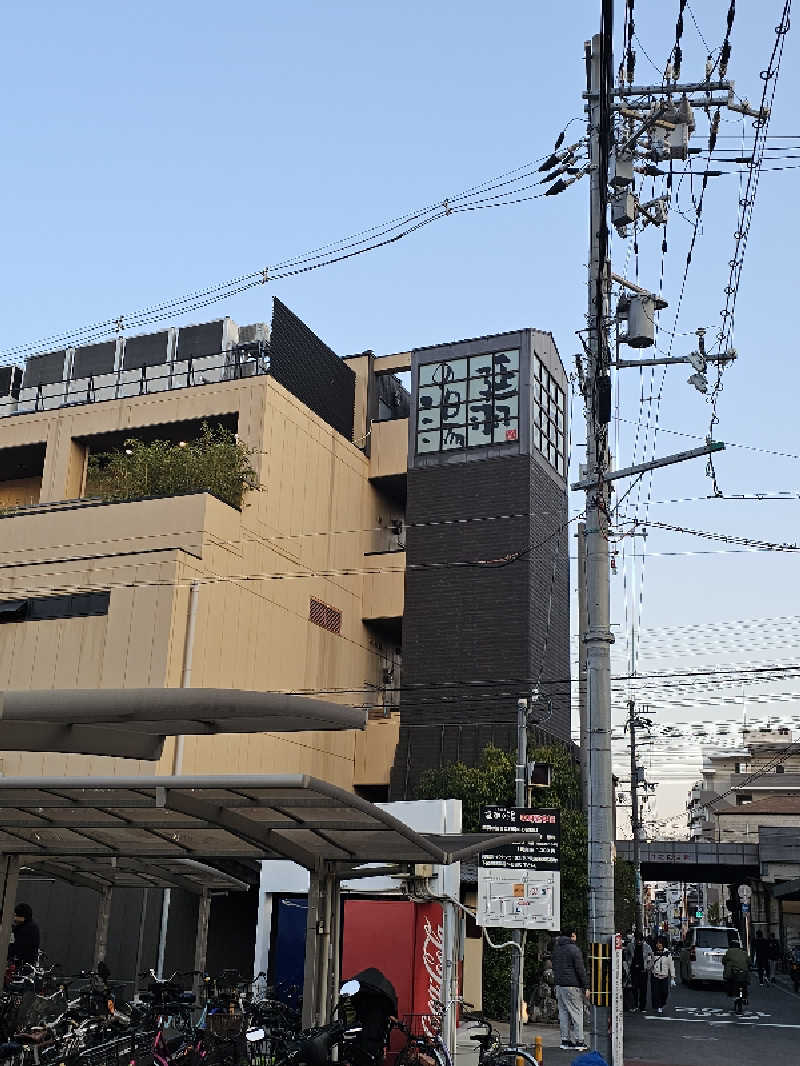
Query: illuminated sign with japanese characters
[(468, 403), (540, 854)]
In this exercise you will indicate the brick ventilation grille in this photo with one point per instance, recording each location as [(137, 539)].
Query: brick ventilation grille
[(324, 616)]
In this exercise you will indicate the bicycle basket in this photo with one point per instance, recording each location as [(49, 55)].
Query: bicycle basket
[(423, 1024), (225, 1024)]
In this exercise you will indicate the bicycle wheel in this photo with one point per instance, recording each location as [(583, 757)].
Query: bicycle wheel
[(431, 1055), (509, 1056)]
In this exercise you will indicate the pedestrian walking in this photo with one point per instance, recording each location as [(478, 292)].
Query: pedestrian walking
[(641, 965), (572, 985), (662, 974), (761, 953), (773, 955)]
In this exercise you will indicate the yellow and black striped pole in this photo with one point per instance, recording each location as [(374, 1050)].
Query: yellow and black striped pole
[(600, 964)]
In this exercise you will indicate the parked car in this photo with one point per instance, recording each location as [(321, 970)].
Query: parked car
[(703, 952)]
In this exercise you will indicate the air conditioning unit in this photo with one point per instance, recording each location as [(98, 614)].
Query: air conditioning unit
[(256, 332)]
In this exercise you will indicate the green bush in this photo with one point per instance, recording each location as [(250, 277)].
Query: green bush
[(624, 896), (214, 462), (492, 781)]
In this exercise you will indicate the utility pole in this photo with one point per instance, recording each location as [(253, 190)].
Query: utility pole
[(598, 638), (635, 824), (663, 116), (519, 801)]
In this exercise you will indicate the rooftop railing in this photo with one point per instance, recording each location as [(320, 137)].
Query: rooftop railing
[(241, 361)]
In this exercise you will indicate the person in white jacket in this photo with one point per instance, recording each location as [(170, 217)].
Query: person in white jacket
[(662, 974)]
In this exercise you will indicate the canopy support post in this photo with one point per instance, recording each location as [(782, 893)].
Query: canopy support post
[(201, 943), (317, 974), (334, 948), (9, 874)]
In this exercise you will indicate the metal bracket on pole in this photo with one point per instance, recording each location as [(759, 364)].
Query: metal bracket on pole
[(717, 360), (641, 468)]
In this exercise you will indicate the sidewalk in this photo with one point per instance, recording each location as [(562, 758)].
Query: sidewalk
[(550, 1034)]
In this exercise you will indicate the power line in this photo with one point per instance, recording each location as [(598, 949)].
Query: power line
[(726, 538), (358, 243), (728, 444)]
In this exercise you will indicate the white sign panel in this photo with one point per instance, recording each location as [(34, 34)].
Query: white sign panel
[(519, 899), (519, 886)]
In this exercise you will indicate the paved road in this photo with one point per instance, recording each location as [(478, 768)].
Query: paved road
[(699, 1029)]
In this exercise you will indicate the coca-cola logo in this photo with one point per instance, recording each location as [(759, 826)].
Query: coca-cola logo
[(432, 960)]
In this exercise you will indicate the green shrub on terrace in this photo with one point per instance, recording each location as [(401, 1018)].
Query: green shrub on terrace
[(214, 462)]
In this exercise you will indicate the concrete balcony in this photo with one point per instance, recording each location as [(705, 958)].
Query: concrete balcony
[(83, 531), (383, 594), (389, 449)]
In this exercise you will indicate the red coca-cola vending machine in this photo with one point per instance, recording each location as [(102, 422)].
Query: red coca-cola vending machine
[(404, 941)]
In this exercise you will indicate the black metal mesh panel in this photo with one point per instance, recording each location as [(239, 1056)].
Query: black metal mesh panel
[(147, 350), (311, 371), (44, 369), (94, 359), (194, 342)]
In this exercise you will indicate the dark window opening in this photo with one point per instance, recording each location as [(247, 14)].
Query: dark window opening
[(45, 608), (373, 793), (172, 432), (21, 471)]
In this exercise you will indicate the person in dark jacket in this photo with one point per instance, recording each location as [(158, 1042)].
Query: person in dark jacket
[(761, 953), (641, 965), (25, 947), (569, 974), (736, 971), (773, 957)]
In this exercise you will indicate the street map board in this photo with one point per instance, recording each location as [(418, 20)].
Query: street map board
[(519, 887)]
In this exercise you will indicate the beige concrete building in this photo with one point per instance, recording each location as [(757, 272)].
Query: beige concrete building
[(764, 765), (289, 597), (305, 589)]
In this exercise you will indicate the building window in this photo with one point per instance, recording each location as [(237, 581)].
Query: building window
[(47, 608), (549, 409), (325, 616), (743, 798), (468, 403)]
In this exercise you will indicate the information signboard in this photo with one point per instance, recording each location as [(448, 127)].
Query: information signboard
[(519, 886)]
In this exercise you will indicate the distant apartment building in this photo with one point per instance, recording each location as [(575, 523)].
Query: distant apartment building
[(406, 551), (764, 766)]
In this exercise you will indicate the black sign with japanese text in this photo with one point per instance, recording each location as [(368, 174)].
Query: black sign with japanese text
[(540, 854)]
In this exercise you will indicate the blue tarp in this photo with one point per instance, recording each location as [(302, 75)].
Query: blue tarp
[(591, 1058)]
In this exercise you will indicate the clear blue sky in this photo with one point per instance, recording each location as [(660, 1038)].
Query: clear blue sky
[(152, 148)]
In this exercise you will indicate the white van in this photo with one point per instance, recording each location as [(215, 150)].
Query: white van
[(704, 950)]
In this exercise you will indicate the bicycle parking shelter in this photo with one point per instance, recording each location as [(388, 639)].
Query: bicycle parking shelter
[(176, 831)]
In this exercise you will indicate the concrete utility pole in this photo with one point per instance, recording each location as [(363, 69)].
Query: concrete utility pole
[(598, 637), (635, 823), (519, 801), (662, 116)]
